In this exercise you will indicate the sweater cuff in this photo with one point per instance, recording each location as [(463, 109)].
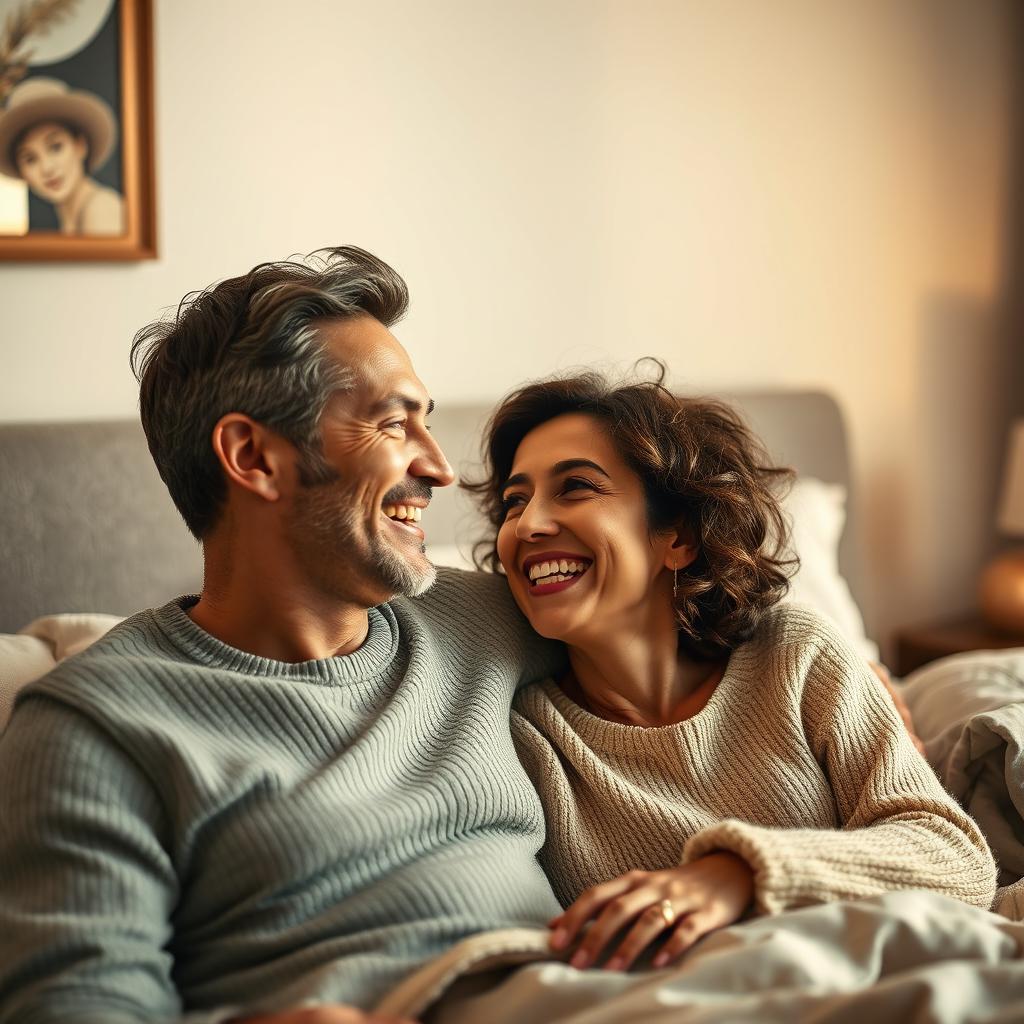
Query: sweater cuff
[(754, 845)]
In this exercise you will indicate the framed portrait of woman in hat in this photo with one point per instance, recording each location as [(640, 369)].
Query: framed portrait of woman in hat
[(76, 130)]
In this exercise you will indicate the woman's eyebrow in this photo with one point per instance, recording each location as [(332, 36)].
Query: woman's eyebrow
[(556, 470), (566, 464)]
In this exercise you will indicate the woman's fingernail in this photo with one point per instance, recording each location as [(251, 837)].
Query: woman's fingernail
[(560, 939), (580, 959), (615, 964), (660, 960)]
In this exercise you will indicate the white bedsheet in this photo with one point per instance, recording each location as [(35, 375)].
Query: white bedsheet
[(903, 957), (969, 710)]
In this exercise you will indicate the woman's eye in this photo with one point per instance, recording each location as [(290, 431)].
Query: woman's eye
[(511, 501), (575, 483), (395, 425)]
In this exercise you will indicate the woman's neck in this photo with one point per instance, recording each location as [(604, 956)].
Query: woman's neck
[(69, 212), (641, 679)]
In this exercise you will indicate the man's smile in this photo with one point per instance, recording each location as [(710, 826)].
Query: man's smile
[(404, 517)]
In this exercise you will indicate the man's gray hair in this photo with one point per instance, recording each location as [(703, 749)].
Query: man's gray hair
[(249, 345)]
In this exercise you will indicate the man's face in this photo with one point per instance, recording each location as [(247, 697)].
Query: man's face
[(358, 534)]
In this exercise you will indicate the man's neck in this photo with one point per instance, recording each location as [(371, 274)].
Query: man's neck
[(280, 627), (257, 598)]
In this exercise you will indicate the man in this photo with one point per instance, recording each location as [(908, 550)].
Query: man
[(300, 786)]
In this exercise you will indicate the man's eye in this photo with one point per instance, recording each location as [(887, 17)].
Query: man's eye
[(395, 425)]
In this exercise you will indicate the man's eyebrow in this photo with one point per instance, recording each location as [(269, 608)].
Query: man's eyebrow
[(396, 400), (556, 470)]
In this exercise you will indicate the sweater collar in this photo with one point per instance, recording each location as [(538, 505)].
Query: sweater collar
[(370, 660)]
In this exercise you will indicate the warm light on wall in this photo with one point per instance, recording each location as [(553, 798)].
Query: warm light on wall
[(1001, 591), (13, 207)]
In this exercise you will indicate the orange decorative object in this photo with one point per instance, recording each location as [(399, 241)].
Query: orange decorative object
[(1001, 592)]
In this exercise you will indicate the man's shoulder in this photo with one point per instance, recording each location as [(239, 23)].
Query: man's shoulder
[(120, 666), (467, 596), (473, 614)]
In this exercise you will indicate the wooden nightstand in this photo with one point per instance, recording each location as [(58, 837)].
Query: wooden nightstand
[(918, 645)]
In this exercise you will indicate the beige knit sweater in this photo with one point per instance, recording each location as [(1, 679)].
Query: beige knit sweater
[(798, 763)]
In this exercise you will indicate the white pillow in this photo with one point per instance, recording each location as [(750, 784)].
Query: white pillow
[(944, 695), (32, 652), (22, 659), (817, 514)]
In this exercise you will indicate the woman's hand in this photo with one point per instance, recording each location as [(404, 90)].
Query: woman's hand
[(688, 902)]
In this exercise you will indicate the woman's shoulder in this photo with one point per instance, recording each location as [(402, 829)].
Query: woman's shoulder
[(790, 623), (539, 700), (103, 214), (803, 651)]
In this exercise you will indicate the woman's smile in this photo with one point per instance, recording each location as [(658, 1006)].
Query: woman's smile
[(551, 572)]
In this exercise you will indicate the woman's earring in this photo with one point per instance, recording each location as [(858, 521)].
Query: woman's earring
[(675, 582)]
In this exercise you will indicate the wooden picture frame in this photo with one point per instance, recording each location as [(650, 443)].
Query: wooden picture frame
[(81, 234)]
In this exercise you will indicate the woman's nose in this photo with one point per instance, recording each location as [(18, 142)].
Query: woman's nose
[(535, 521)]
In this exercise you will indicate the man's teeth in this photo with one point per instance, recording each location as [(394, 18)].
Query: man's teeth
[(558, 571), (411, 513)]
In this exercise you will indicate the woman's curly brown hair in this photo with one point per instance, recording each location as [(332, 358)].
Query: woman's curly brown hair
[(700, 465)]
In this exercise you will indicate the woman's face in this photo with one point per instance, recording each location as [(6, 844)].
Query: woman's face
[(51, 160), (575, 543)]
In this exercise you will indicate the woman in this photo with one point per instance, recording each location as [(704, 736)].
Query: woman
[(710, 751), (53, 139)]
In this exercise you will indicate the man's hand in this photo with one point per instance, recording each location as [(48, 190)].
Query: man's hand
[(322, 1015), (685, 902), (901, 705)]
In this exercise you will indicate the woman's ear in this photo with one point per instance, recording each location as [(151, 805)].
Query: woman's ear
[(250, 455), (683, 549)]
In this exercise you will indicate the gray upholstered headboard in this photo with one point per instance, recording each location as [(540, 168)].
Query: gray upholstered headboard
[(86, 524)]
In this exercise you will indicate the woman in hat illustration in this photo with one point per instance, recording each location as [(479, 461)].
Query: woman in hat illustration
[(53, 138)]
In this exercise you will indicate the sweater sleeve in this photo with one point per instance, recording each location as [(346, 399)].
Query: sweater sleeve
[(899, 827), (86, 886)]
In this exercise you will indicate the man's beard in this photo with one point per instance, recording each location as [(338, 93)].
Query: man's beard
[(342, 559)]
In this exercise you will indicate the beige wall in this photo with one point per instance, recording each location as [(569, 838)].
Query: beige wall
[(801, 192)]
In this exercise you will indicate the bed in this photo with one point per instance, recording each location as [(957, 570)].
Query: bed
[(89, 535)]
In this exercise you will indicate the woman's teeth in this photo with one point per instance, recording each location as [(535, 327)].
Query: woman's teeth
[(410, 513), (556, 572)]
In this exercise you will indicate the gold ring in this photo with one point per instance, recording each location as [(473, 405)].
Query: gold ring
[(668, 912)]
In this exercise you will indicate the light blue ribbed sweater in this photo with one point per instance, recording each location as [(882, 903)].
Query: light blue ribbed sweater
[(187, 826)]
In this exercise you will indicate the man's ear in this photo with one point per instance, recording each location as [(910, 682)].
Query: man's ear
[(251, 456), (683, 549)]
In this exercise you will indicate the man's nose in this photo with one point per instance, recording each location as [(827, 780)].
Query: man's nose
[(432, 465)]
